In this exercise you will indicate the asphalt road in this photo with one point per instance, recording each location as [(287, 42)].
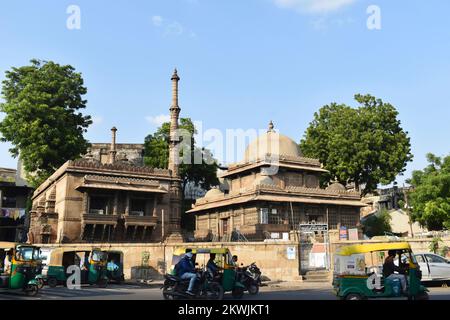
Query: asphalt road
[(145, 292)]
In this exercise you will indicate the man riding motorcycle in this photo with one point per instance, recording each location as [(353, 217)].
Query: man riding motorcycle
[(185, 269)]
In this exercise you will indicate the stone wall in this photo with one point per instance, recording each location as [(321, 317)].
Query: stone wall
[(271, 257)]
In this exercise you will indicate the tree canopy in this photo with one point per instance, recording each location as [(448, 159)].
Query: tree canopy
[(364, 145), (43, 121), (156, 154), (429, 199)]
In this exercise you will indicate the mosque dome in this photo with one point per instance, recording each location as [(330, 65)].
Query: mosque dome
[(336, 186), (213, 193), (271, 143)]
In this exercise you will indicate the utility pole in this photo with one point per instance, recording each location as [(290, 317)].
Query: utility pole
[(408, 212)]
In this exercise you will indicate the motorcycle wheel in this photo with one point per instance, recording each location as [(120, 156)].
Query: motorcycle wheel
[(167, 292), (237, 293), (40, 283), (214, 292), (253, 289)]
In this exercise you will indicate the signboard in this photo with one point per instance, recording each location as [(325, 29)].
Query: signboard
[(290, 253), (343, 233), (311, 227), (353, 234)]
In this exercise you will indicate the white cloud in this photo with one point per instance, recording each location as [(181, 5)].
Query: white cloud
[(96, 120), (171, 28), (158, 120), (175, 28), (157, 21), (314, 6)]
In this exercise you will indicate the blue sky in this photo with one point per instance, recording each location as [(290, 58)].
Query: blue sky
[(242, 63)]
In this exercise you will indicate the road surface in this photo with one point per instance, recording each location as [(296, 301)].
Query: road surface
[(310, 291)]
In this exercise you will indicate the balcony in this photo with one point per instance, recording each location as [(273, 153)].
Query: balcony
[(140, 220), (99, 218)]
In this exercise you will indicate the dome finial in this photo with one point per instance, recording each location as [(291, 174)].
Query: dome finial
[(271, 126)]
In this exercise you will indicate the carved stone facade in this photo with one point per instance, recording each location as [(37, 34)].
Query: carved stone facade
[(269, 193), (109, 196)]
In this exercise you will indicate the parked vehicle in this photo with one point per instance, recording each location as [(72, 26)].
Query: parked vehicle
[(205, 288), (226, 277), (25, 265), (353, 280), (434, 267), (91, 262), (250, 277), (114, 266)]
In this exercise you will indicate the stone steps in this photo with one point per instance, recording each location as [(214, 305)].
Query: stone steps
[(318, 276)]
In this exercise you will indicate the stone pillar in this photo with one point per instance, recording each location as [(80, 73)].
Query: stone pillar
[(155, 203), (115, 203), (127, 204)]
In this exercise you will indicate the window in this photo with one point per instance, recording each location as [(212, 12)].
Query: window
[(435, 259), (98, 205), (274, 217), (137, 207), (264, 216), (420, 259)]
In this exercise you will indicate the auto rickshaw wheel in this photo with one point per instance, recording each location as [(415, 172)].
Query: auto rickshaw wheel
[(102, 283), (52, 282), (422, 296), (32, 290), (354, 296), (40, 283), (237, 293), (253, 289)]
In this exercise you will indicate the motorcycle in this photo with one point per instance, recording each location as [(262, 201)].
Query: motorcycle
[(205, 288), (250, 277)]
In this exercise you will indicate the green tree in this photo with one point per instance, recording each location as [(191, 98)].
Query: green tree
[(43, 121), (377, 224), (203, 175), (365, 145), (430, 195)]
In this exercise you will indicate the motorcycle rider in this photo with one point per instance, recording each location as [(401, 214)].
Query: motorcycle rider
[(186, 270), (211, 265)]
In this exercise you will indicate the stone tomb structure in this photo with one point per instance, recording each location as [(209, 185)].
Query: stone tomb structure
[(109, 196), (269, 193)]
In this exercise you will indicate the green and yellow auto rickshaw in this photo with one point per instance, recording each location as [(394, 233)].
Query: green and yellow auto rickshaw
[(354, 279), (226, 277), (19, 266), (92, 264)]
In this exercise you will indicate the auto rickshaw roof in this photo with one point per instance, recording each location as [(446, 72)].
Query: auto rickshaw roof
[(371, 247), (8, 245), (180, 251)]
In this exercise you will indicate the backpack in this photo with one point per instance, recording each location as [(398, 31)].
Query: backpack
[(177, 268)]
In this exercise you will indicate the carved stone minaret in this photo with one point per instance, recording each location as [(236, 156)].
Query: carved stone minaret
[(113, 151), (174, 137), (175, 187)]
